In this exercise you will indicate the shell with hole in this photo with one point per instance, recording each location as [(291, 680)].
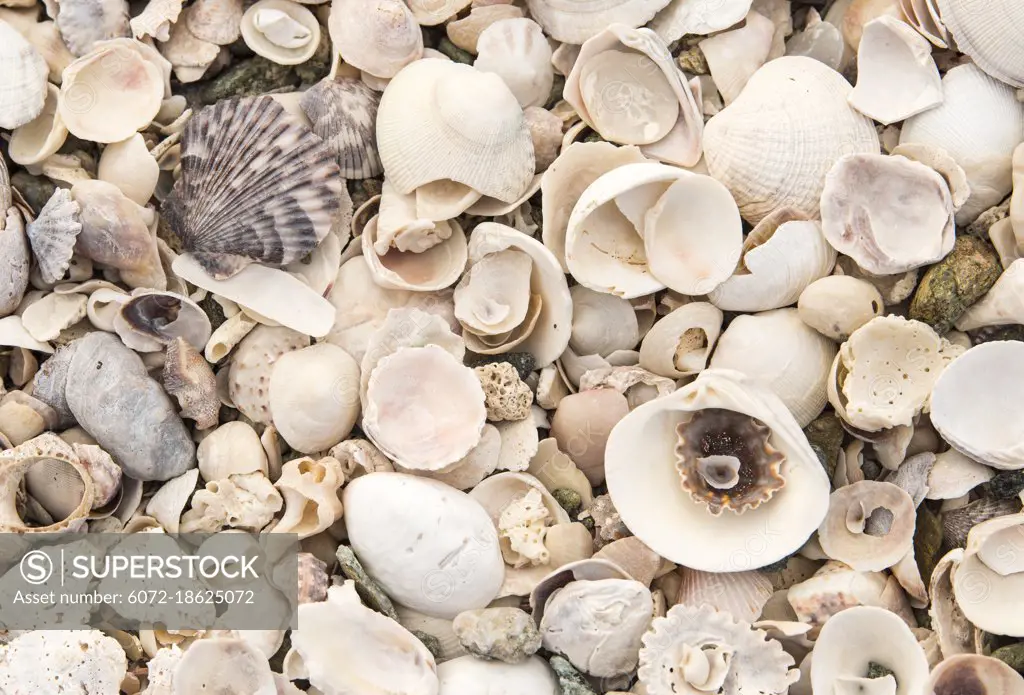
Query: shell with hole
[(869, 525), (442, 120), (757, 439), (979, 123), (24, 87), (837, 305), (884, 374), (380, 37), (625, 86), (773, 146), (962, 404), (680, 343), (889, 213), (457, 565), (48, 453), (310, 491), (281, 31), (985, 32), (343, 112), (276, 213), (517, 52)]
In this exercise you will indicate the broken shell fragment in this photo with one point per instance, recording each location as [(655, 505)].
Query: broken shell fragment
[(985, 674), (14, 248), (129, 166), (310, 491), (188, 378), (53, 455), (84, 660), (282, 31)]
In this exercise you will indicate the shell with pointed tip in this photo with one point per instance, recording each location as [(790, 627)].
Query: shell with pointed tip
[(702, 17), (853, 639), (444, 120), (42, 136), (379, 37), (773, 146), (252, 366), (576, 21), (653, 504), (46, 450), (696, 648), (979, 123), (14, 249), (281, 31), (343, 112), (987, 33), (150, 321), (23, 87), (890, 214), (84, 22), (989, 435), (256, 186), (679, 344), (779, 351), (517, 51)]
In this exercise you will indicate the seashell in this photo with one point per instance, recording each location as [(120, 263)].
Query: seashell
[(576, 168), (490, 151), (857, 637), (156, 19), (556, 471), (701, 17), (41, 137), (343, 113), (24, 88), (985, 434), (110, 92), (865, 214), (22, 418), (189, 54), (399, 420), (52, 455), (733, 56), (517, 52), (379, 37), (14, 248), (223, 664), (457, 564), (435, 268), (465, 32), (188, 378), (700, 649), (777, 350), (837, 305), (855, 533), (625, 86), (107, 478), (601, 323), (983, 34), (639, 561), (150, 321), (129, 166), (987, 577), (112, 397), (38, 660), (314, 396), (638, 385), (576, 23), (45, 319), (742, 595), (169, 501), (680, 343), (430, 13), (13, 334), (232, 448), (652, 502), (264, 227), (1016, 211), (310, 490), (923, 15), (216, 21), (836, 587), (582, 424), (958, 521), (896, 76), (468, 675), (252, 367), (820, 40), (546, 132), (781, 257), (899, 362), (979, 124), (406, 221), (281, 31), (247, 501), (270, 293), (985, 673), (84, 23), (313, 580), (505, 634), (115, 232), (103, 306), (954, 475), (1001, 305), (479, 463), (790, 103)]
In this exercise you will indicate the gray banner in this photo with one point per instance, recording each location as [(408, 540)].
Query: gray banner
[(231, 581)]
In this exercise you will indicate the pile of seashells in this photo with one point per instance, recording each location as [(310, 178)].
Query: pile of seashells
[(589, 346)]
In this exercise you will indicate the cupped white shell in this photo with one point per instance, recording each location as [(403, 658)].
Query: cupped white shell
[(470, 675), (282, 31), (990, 574), (41, 137), (854, 534), (379, 37), (517, 51), (681, 17), (680, 343)]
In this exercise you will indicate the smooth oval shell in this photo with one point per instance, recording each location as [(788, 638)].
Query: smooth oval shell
[(837, 305), (469, 675)]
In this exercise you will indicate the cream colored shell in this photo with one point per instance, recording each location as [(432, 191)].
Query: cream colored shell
[(680, 343), (23, 91), (311, 495), (41, 137), (576, 21), (517, 51), (232, 448), (837, 305), (852, 534), (379, 37), (282, 31), (985, 33)]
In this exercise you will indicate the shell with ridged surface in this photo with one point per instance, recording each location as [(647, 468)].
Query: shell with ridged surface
[(23, 85), (343, 112), (53, 234), (989, 32)]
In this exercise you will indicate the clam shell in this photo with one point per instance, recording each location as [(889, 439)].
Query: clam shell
[(465, 32), (42, 136), (517, 51), (156, 19), (216, 21), (233, 448), (985, 32), (733, 56), (129, 166), (379, 37), (23, 88), (435, 268), (252, 366), (742, 595), (601, 323), (274, 213), (576, 21), (83, 23), (990, 673), (702, 17), (773, 146), (343, 112), (443, 120)]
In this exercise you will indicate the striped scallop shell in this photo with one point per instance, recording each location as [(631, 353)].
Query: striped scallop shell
[(256, 186), (344, 114)]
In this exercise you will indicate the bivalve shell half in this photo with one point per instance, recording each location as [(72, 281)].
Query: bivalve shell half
[(23, 85), (987, 32), (343, 112), (986, 674), (129, 166), (701, 17), (576, 21), (380, 37), (40, 137), (517, 52), (680, 343), (990, 575)]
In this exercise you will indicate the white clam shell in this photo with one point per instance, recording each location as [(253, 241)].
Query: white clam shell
[(681, 17), (252, 365), (233, 448), (23, 89), (517, 51), (469, 675), (129, 166), (989, 575), (680, 343), (774, 145), (456, 564), (223, 664), (576, 21), (985, 32), (434, 268), (42, 136), (733, 56), (601, 323), (282, 31), (216, 21), (379, 37)]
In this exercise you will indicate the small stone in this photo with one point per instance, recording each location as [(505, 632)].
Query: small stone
[(35, 189), (570, 680), (825, 434), (524, 362), (505, 395), (454, 52), (956, 282), (876, 670), (1012, 655), (693, 62), (570, 500), (979, 228), (505, 634), (1005, 485), (608, 525), (249, 77), (432, 643), (367, 588), (318, 65)]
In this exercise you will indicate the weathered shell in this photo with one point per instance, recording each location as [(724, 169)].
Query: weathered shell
[(702, 17), (343, 112), (169, 501), (84, 22), (42, 136), (310, 491), (923, 15), (188, 377), (773, 146), (740, 594), (853, 534), (252, 366), (837, 305), (517, 51), (216, 21), (156, 19), (282, 31), (23, 88), (427, 270), (733, 56), (469, 675), (46, 450), (576, 21), (681, 342), (55, 660), (985, 33), (274, 214), (233, 448), (985, 673), (219, 665), (14, 249), (149, 321)]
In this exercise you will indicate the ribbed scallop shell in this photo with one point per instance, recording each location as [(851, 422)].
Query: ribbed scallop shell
[(575, 21), (255, 186), (52, 235), (444, 120), (23, 74), (343, 112), (740, 594), (774, 145), (989, 31), (251, 365)]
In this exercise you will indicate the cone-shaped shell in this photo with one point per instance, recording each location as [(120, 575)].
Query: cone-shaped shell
[(774, 145), (444, 120)]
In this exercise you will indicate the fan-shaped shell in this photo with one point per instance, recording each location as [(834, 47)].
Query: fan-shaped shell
[(255, 186), (343, 112), (282, 31), (23, 86), (987, 32), (517, 52), (702, 17), (84, 22), (444, 120), (773, 146), (923, 15), (576, 21), (379, 37), (740, 594), (42, 136)]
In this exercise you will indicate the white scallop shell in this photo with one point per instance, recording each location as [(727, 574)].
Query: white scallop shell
[(576, 21), (517, 51), (23, 87), (987, 32)]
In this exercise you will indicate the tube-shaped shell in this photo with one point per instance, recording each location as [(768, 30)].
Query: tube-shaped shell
[(985, 33), (774, 145)]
